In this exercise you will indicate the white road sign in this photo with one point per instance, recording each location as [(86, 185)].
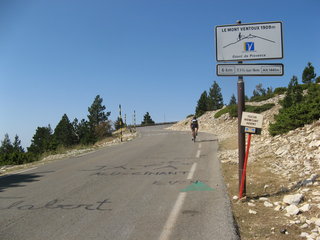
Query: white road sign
[(250, 69), (255, 41), (253, 120)]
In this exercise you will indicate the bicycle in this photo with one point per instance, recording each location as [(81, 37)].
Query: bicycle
[(194, 135)]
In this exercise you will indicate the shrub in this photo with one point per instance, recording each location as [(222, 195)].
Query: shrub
[(259, 109), (294, 117), (297, 115), (304, 86), (280, 90), (16, 158), (233, 111), (224, 111), (261, 98)]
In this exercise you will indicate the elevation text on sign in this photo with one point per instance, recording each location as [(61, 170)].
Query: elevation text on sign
[(250, 69)]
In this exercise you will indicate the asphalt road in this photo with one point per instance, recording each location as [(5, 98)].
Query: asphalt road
[(159, 186)]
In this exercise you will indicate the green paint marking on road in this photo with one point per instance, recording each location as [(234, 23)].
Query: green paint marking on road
[(197, 186)]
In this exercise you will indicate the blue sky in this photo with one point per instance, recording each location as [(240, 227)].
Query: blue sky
[(147, 55)]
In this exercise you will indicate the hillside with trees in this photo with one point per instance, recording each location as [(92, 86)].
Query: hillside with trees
[(211, 101), (66, 135), (300, 106)]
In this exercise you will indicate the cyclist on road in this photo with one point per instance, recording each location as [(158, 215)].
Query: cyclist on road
[(194, 127)]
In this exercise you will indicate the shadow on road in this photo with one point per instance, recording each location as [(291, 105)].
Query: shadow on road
[(18, 180)]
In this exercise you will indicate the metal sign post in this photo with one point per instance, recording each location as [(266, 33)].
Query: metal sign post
[(241, 134)]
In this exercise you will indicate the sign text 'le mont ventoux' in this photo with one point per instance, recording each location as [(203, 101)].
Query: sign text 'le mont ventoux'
[(255, 41)]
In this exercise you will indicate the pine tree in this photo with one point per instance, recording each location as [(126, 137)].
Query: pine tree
[(296, 92), (6, 145), (255, 93), (202, 105), (17, 145), (12, 154), (97, 112), (260, 91), (269, 90), (100, 126), (308, 74), (147, 120), (215, 99), (64, 132), (75, 125), (41, 141), (84, 132), (293, 94), (233, 100)]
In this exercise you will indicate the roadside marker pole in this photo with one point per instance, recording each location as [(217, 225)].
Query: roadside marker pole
[(134, 119), (243, 178), (252, 124), (120, 122)]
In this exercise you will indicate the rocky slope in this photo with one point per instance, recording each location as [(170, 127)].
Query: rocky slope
[(293, 157)]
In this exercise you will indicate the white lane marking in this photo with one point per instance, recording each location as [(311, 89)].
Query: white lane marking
[(171, 221), (200, 145), (24, 170), (192, 170), (168, 227), (198, 154)]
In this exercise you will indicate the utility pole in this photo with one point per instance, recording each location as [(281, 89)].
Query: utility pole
[(241, 133)]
